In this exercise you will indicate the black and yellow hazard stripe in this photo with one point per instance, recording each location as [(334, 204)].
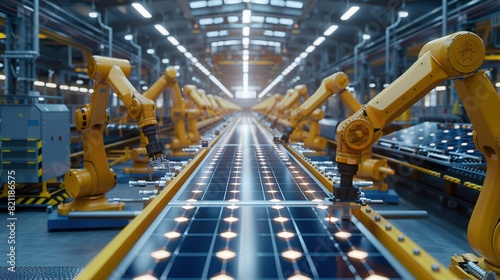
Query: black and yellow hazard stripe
[(41, 201), (39, 158)]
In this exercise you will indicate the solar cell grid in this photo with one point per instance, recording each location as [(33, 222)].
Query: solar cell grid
[(247, 225)]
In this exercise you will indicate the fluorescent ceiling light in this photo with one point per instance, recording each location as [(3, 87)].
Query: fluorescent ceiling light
[(286, 21), (140, 8), (366, 36), (310, 49), (272, 20), (246, 16), (188, 54), (181, 48), (246, 52), (245, 41), (245, 64), (72, 88), (232, 19), (347, 15), (212, 3), (165, 60), (262, 2), (303, 55), (162, 29), (297, 59), (39, 83), (223, 32), (218, 20), (212, 33), (440, 88), (294, 4), (318, 41), (403, 14), (64, 87), (279, 34), (258, 19), (330, 30), (93, 14), (246, 31), (194, 60), (172, 40), (205, 21), (50, 85), (128, 37), (279, 3), (198, 4), (245, 57), (245, 70), (151, 51), (232, 1)]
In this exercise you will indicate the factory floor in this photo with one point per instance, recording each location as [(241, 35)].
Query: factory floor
[(442, 234)]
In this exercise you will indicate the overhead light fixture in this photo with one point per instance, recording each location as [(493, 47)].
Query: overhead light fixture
[(173, 41), (128, 37), (366, 36), (347, 15), (165, 60), (246, 16), (303, 55), (246, 31), (150, 51), (310, 49), (246, 52), (181, 48), (140, 8), (403, 13), (245, 41), (245, 57), (162, 29), (194, 60), (330, 30), (318, 41), (93, 14)]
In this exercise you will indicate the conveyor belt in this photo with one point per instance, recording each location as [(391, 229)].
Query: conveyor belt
[(250, 211)]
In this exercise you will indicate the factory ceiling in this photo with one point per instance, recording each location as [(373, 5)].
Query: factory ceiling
[(242, 46)]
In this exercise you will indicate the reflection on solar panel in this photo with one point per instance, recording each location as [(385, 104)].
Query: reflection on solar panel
[(446, 143), (254, 222)]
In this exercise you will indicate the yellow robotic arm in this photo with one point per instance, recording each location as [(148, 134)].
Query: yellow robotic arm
[(192, 92), (298, 92), (457, 55), (137, 154), (178, 112), (214, 104), (89, 185), (332, 84)]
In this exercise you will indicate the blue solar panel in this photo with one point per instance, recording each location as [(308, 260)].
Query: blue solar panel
[(238, 216)]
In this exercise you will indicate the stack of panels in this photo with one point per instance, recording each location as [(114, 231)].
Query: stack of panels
[(251, 212)]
